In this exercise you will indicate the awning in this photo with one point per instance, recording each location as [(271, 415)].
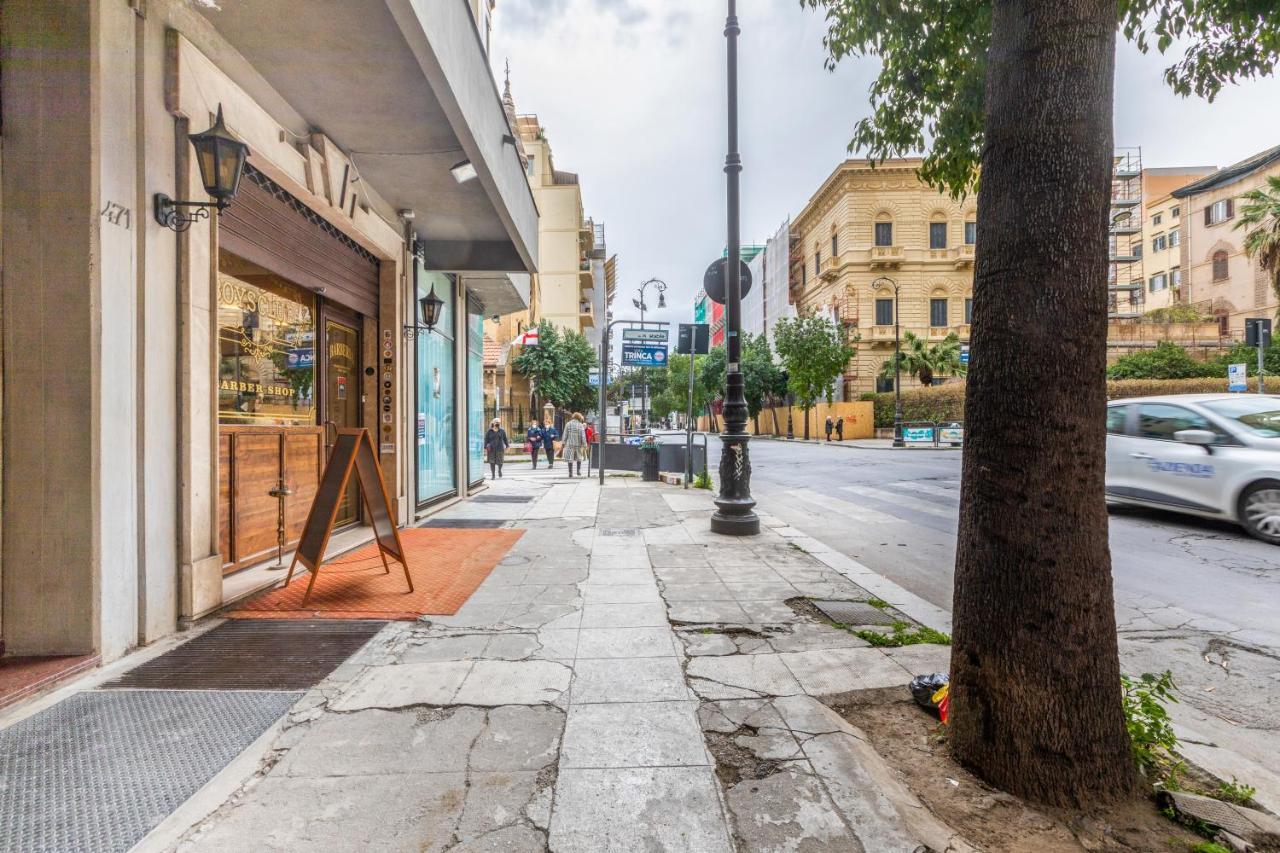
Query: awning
[(407, 93)]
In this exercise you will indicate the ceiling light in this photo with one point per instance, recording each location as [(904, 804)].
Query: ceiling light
[(463, 172)]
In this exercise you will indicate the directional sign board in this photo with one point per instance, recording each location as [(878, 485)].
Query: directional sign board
[(695, 338), (593, 377), (964, 355), (653, 336), (644, 355), (1237, 377)]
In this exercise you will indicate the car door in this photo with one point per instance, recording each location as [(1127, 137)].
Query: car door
[(1120, 444), (1170, 472)]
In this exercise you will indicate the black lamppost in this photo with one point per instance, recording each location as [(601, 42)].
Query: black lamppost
[(897, 365), (660, 286), (735, 515)]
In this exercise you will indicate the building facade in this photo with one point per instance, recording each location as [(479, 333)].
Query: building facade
[(1219, 278), (159, 381), (874, 245)]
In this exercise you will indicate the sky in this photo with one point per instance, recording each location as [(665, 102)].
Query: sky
[(632, 96)]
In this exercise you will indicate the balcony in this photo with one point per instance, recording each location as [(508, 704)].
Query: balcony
[(879, 334), (962, 256), (887, 257), (937, 333), (830, 269)]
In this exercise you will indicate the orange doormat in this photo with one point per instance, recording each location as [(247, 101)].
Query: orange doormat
[(447, 564)]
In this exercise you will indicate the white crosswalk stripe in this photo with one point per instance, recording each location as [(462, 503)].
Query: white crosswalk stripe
[(902, 500), (928, 489), (846, 509)]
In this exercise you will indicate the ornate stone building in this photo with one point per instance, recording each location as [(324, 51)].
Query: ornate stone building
[(869, 234)]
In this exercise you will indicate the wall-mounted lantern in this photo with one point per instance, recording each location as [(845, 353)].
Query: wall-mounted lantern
[(428, 315), (220, 157)]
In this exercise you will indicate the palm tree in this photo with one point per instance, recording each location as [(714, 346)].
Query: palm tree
[(924, 362), (1261, 211)]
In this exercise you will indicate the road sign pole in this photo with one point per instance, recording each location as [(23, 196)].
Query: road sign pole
[(688, 427), (1261, 378)]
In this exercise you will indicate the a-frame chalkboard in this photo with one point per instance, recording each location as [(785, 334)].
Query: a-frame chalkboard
[(352, 450)]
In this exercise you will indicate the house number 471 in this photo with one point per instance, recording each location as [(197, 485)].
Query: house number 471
[(116, 214)]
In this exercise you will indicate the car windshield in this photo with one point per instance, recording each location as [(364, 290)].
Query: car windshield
[(1260, 415)]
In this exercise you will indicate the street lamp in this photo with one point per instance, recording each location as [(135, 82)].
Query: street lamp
[(661, 287), (220, 157), (734, 515), (897, 364)]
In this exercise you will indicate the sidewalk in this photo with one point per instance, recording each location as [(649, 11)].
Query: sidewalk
[(624, 680), (859, 443)]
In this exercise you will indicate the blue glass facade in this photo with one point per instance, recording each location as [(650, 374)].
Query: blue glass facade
[(476, 425), (436, 394)]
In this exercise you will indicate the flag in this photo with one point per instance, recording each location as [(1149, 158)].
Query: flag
[(529, 338)]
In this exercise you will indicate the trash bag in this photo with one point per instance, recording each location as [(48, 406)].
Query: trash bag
[(928, 691)]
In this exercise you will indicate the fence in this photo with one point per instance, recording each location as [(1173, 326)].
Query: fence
[(933, 434), (857, 420)]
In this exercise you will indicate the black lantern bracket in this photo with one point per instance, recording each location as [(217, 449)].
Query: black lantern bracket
[(220, 157), (428, 314)]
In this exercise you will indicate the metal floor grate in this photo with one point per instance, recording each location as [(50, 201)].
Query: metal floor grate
[(854, 613), (465, 523), (96, 772), (502, 499), (254, 654)]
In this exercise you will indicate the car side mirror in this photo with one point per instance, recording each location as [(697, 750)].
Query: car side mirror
[(1202, 437)]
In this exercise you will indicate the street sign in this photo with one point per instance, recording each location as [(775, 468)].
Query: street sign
[(644, 355), (1257, 332), (593, 377), (1237, 377), (964, 355), (650, 335), (713, 279), (694, 339)]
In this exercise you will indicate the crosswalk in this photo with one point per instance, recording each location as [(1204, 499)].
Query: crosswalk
[(934, 504)]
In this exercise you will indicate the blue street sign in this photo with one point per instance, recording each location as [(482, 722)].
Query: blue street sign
[(644, 355), (964, 355), (1237, 377)]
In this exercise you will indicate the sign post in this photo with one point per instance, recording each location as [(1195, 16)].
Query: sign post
[(694, 340), (1257, 333), (1237, 377), (603, 432)]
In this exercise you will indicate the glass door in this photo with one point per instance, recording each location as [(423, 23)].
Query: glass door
[(342, 397)]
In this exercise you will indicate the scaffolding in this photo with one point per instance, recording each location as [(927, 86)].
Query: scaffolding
[(1125, 279)]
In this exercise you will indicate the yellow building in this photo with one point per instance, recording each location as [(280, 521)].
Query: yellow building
[(1220, 279), (1162, 233), (868, 232)]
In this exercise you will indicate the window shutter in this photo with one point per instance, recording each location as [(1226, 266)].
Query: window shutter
[(1208, 215), (1231, 208)]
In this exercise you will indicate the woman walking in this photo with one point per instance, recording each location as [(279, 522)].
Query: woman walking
[(549, 436), (533, 441), (495, 447), (575, 448)]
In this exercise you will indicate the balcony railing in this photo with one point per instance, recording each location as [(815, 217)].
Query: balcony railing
[(830, 268), (887, 256)]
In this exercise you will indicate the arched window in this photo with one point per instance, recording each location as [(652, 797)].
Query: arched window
[(884, 231), (1219, 265), (938, 234)]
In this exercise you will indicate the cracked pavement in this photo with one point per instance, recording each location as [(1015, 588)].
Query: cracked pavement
[(1197, 597), (623, 680)]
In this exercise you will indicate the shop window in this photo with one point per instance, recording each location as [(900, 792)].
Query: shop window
[(475, 391), (266, 352), (1220, 268), (436, 397), (937, 235)]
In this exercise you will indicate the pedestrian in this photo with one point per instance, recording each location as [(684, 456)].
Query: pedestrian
[(839, 429), (495, 447), (574, 449), (549, 436), (533, 442), (591, 439), (830, 426)]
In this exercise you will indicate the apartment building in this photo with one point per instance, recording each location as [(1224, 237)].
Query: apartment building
[(875, 245), (1220, 279)]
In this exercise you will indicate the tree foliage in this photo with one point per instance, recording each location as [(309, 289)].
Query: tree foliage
[(1260, 212), (559, 368), (1167, 360), (762, 376), (930, 93), (813, 352), (924, 362)]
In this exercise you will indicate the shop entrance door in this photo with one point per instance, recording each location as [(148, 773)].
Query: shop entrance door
[(341, 395)]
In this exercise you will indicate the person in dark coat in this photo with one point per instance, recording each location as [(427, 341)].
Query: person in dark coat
[(495, 448), (830, 426), (839, 429), (549, 436), (533, 438)]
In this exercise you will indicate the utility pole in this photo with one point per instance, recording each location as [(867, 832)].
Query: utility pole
[(735, 515)]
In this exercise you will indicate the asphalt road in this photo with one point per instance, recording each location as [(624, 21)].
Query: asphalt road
[(1200, 598)]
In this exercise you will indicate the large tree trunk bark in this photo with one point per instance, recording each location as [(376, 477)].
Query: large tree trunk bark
[(1035, 675)]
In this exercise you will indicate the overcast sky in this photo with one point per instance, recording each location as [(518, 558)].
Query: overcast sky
[(632, 95)]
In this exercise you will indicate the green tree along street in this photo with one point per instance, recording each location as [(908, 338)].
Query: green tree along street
[(1021, 92), (1260, 214), (813, 352), (925, 362), (559, 368), (764, 379)]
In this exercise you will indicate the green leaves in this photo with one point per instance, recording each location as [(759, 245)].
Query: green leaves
[(1260, 212), (930, 92), (1150, 730), (813, 352), (922, 361), (559, 367)]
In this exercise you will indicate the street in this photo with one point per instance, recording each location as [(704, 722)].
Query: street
[(1198, 597)]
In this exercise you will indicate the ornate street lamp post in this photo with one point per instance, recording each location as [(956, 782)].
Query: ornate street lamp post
[(735, 515), (660, 286)]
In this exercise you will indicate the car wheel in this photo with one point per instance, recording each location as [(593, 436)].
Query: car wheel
[(1260, 510)]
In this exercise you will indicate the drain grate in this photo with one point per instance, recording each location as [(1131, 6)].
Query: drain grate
[(619, 531), (502, 499), (464, 523), (254, 654), (99, 770), (854, 613)]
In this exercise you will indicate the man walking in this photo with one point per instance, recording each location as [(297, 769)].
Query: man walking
[(839, 429), (830, 426), (549, 436)]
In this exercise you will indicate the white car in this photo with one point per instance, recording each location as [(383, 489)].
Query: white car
[(1212, 455)]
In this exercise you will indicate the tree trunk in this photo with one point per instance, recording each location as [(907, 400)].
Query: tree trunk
[(806, 424), (1035, 676)]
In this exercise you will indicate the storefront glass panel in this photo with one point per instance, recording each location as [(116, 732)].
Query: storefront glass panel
[(475, 391), (436, 394), (266, 352)]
